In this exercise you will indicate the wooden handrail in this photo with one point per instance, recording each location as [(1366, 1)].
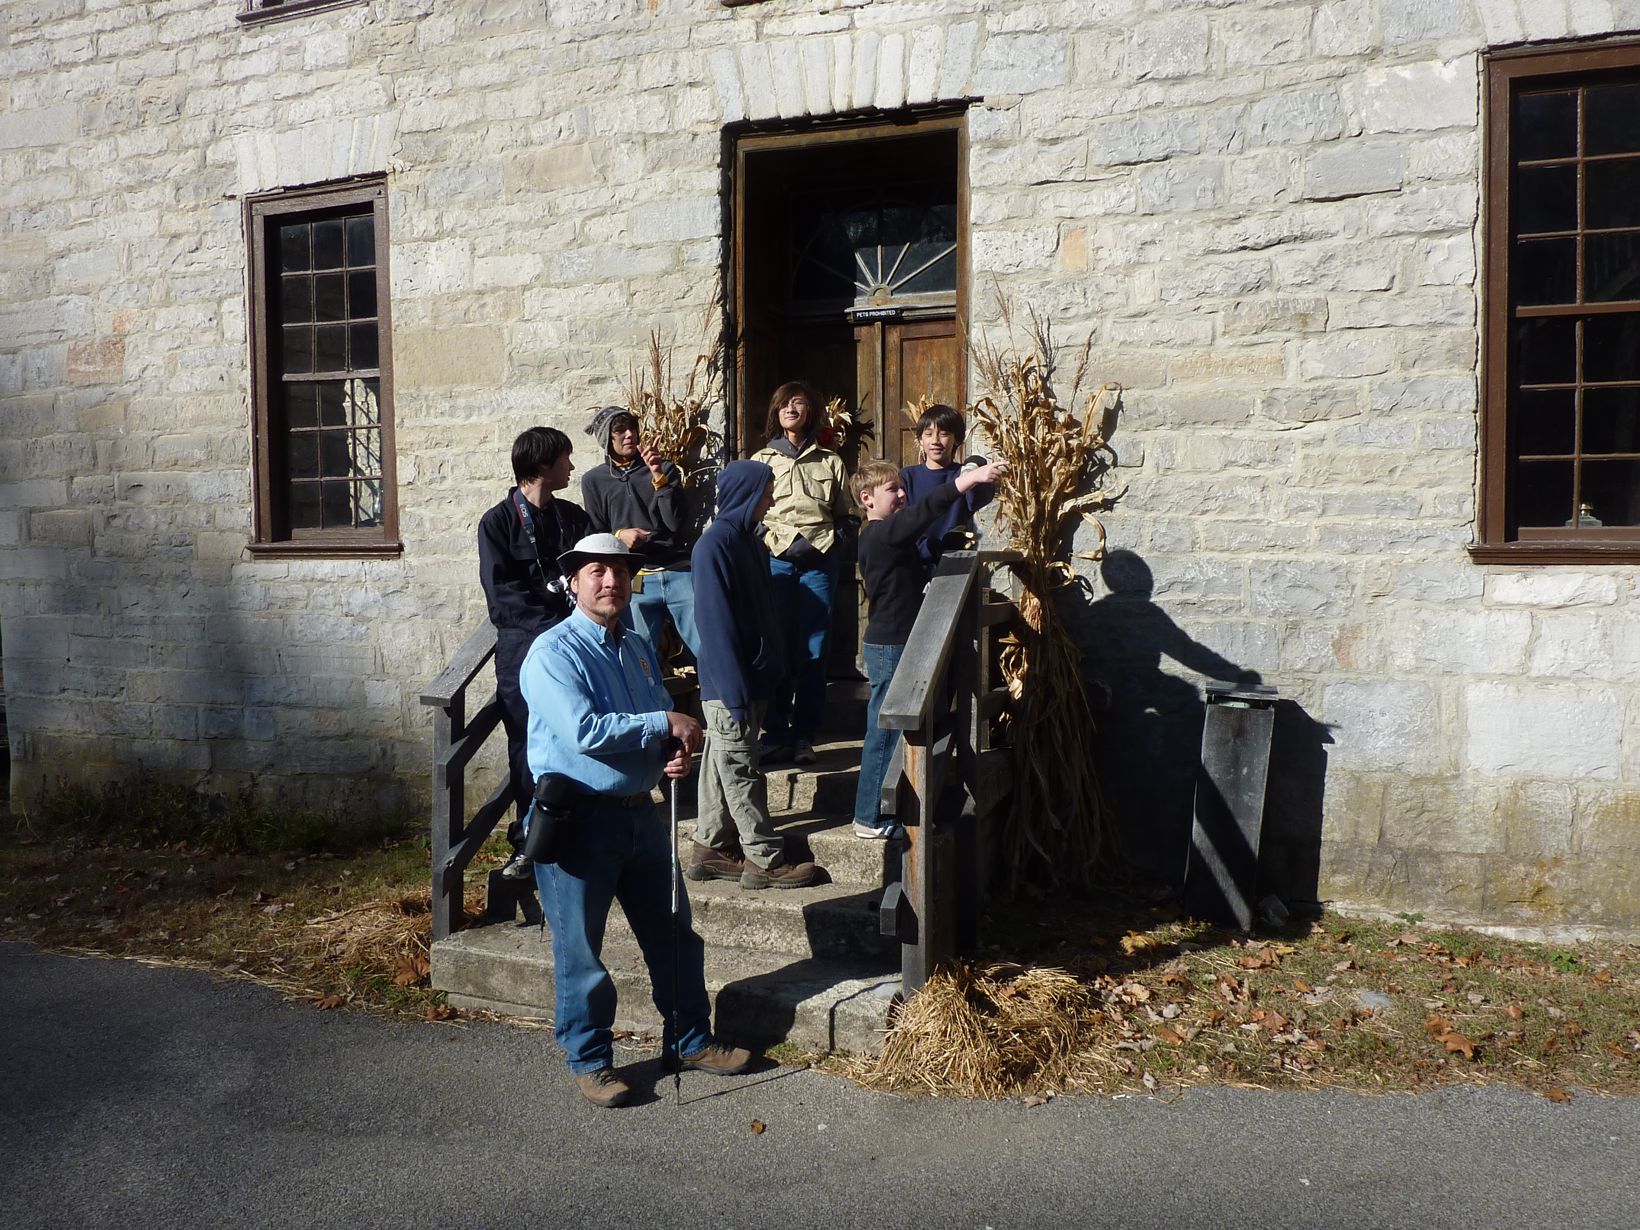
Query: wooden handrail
[(475, 651), (912, 691)]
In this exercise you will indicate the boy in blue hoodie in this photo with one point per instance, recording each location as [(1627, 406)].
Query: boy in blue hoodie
[(740, 661)]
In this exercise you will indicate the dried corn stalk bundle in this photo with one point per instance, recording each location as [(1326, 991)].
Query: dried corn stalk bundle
[(675, 422), (839, 429), (1055, 831), (987, 1034)]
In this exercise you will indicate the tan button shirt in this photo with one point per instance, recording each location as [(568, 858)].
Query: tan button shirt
[(810, 497)]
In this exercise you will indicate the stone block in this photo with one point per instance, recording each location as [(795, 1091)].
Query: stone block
[(1354, 168), (956, 65), (1173, 187), (1544, 730), (1009, 251), (786, 68), (1297, 117), (726, 81), (49, 127), (866, 45), (842, 72), (1417, 97), (1386, 727), (757, 81), (1419, 21), (923, 65), (1343, 28), (1421, 211), (1142, 138), (1308, 587), (1310, 403), (1172, 46), (1555, 589), (1252, 40), (816, 60), (1362, 353), (1260, 314), (1460, 641), (1022, 63), (442, 358), (890, 92), (60, 527)]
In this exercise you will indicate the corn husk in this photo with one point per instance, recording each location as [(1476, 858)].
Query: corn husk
[(674, 420)]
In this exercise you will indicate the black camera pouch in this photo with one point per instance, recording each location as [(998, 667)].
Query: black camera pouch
[(550, 818)]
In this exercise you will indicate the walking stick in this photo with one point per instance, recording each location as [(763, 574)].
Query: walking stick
[(677, 880)]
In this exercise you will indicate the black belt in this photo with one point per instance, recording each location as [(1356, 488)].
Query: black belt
[(643, 799)]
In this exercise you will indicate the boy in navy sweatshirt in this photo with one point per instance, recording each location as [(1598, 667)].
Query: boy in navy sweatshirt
[(894, 575), (940, 433)]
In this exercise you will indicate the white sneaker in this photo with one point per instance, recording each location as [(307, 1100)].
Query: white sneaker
[(874, 832)]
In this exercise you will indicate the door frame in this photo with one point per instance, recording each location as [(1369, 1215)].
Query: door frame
[(743, 142)]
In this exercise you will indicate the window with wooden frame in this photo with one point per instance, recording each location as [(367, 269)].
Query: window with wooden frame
[(255, 12), (1560, 473), (322, 372)]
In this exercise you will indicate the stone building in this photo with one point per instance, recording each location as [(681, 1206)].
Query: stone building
[(278, 286)]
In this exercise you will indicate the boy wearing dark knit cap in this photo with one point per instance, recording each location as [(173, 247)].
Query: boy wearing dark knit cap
[(638, 495)]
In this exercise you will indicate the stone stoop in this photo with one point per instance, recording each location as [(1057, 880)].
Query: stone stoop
[(804, 966)]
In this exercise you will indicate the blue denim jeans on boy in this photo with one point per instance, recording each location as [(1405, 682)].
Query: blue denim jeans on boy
[(802, 596), (619, 854), (667, 593), (878, 748)]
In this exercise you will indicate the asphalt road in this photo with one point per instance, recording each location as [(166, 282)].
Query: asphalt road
[(135, 1096)]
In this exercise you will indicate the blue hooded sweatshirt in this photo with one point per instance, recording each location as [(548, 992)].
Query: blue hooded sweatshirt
[(741, 655)]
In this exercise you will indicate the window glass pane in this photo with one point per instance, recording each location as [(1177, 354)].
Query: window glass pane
[(1545, 351), (1545, 271), (304, 506), (301, 405), (1543, 492), (1612, 123), (328, 356), (1611, 489), (368, 499), (335, 457), (364, 403), (1545, 126), (367, 453), (1545, 199), (327, 244), (1611, 268), (295, 299), (1611, 348), (327, 297), (297, 354), (294, 240), (332, 407), (1545, 421), (361, 294), (302, 454), (364, 347), (361, 241), (1611, 421), (338, 505), (1612, 193)]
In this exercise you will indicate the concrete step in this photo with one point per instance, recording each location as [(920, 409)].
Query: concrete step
[(846, 858), (760, 998)]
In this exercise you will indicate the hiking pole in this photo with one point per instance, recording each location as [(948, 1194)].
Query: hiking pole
[(677, 882)]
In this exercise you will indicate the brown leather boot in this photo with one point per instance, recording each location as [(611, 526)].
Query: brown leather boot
[(603, 1088), (719, 1060), (781, 875), (709, 864)]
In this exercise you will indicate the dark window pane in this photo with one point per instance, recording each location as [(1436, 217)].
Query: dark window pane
[(1545, 199), (1611, 268), (1545, 421), (297, 354), (1545, 351), (335, 455), (295, 299), (1545, 126), (1543, 492), (329, 356), (361, 294), (338, 505), (361, 241), (304, 506), (293, 247), (327, 297), (302, 454), (1611, 421), (1611, 348), (1611, 489), (332, 407), (1611, 124), (368, 495), (1611, 194), (941, 275), (301, 405), (1545, 271), (364, 347), (327, 244)]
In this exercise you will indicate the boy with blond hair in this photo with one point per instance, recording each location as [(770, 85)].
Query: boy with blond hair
[(894, 574)]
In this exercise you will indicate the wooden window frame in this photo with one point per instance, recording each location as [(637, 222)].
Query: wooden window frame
[(256, 12), (1499, 541), (271, 534)]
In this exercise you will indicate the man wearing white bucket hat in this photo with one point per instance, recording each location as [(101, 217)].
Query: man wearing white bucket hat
[(600, 718)]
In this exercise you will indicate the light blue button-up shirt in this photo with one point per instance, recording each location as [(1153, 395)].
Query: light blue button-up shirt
[(597, 706)]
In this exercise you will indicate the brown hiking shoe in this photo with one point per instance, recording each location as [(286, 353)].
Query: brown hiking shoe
[(603, 1088), (782, 875), (709, 864), (719, 1060)]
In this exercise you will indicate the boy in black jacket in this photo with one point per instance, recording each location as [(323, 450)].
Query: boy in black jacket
[(894, 574), (519, 541)]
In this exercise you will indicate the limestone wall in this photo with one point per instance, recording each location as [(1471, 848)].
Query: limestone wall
[(1265, 213)]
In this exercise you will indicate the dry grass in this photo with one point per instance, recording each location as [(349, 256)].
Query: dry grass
[(675, 420), (1058, 461)]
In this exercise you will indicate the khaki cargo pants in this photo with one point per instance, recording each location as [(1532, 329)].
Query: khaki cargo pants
[(734, 799)]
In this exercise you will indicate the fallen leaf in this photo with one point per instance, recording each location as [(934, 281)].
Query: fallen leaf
[(1038, 1099), (1457, 1044), (1302, 987), (1514, 1012), (1149, 1081), (1168, 1034), (1557, 1094), (440, 1012), (331, 1001), (758, 1127), (1602, 975), (275, 908), (1436, 1024)]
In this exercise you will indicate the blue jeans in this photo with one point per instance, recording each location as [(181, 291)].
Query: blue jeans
[(802, 598), (670, 593), (878, 748), (619, 854)]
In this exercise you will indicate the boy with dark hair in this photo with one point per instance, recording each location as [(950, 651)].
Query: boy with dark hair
[(637, 495), (940, 433), (894, 575), (519, 541)]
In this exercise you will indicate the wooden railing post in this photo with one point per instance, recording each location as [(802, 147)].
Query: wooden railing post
[(449, 810)]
